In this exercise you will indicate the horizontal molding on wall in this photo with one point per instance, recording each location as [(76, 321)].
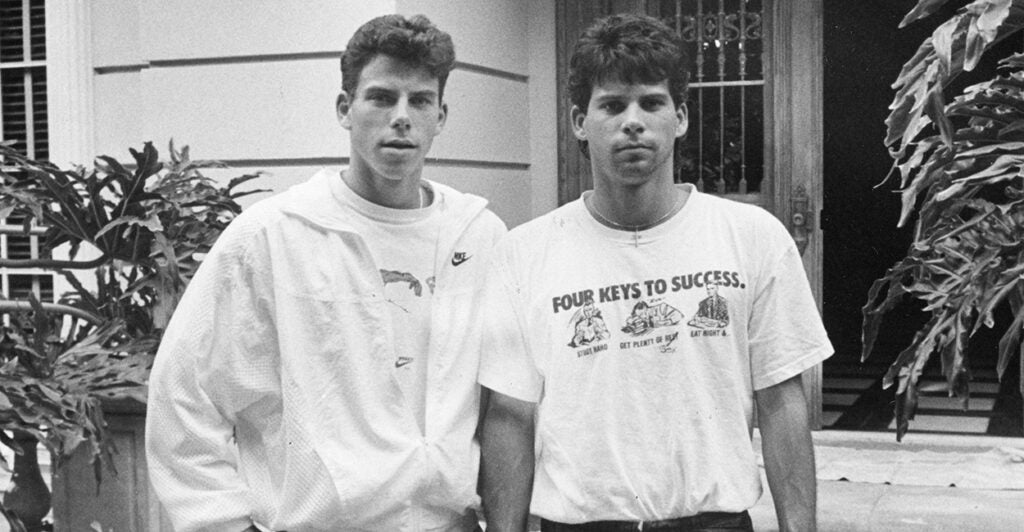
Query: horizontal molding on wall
[(469, 67), (270, 58), (341, 161), (120, 69), (466, 163)]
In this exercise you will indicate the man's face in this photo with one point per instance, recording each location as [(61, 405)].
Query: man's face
[(392, 118), (630, 129), (712, 289)]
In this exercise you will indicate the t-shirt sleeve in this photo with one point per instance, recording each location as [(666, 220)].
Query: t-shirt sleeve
[(786, 332), (506, 363)]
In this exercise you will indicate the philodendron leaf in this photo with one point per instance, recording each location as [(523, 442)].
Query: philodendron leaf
[(1008, 147), (234, 182), (990, 15), (150, 222), (910, 86), (1013, 61), (982, 31), (110, 165), (943, 39), (147, 162), (1011, 339), (960, 386), (922, 10), (906, 407), (995, 171), (974, 47), (936, 109), (1013, 127), (926, 178)]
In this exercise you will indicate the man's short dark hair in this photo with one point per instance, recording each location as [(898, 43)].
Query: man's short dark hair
[(414, 40), (631, 49)]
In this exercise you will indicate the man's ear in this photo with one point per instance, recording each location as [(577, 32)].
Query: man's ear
[(442, 117), (684, 122), (577, 115), (342, 106)]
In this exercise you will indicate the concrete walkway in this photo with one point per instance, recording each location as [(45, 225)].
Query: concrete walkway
[(894, 486), (917, 496)]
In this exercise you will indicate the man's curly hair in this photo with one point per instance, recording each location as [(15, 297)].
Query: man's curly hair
[(631, 49), (414, 40)]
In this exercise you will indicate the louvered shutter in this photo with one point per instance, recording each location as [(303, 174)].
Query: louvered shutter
[(23, 119)]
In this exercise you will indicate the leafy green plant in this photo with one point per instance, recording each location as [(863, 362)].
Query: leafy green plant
[(146, 229), (960, 165)]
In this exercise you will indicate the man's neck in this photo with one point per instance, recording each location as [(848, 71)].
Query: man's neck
[(642, 205), (402, 193)]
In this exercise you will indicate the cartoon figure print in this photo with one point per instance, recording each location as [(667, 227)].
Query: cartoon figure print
[(712, 311), (648, 316), (588, 325), (392, 276)]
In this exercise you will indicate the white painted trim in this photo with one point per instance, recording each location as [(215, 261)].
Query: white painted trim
[(543, 114), (69, 81)]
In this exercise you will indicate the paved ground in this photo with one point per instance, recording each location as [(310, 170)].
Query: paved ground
[(858, 506), (850, 505), (909, 488)]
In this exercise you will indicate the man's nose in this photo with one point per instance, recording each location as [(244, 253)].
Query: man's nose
[(400, 115), (632, 120)]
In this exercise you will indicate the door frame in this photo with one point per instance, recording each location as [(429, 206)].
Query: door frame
[(796, 73)]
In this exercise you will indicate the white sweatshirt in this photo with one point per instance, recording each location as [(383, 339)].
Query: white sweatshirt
[(273, 399)]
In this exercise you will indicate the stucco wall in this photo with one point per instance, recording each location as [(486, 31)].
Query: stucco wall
[(253, 83)]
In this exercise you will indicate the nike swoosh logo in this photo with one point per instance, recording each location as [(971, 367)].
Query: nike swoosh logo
[(403, 361), (459, 258)]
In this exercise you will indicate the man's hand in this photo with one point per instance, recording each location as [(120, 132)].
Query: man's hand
[(788, 454), (507, 462)]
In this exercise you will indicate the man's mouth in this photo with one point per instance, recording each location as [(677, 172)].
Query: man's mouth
[(633, 146), (398, 144)]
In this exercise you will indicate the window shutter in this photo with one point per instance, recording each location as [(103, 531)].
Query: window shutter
[(23, 119), (23, 75)]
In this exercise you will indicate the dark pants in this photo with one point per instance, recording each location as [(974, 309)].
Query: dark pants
[(707, 521)]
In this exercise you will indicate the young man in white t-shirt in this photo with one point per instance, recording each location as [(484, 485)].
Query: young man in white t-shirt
[(695, 310), (320, 371)]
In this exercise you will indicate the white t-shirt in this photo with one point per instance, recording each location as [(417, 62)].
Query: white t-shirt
[(403, 243), (643, 352)]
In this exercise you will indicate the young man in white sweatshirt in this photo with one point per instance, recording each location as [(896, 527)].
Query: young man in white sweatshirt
[(319, 373)]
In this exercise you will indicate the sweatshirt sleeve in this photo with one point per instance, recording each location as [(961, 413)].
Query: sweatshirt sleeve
[(216, 359)]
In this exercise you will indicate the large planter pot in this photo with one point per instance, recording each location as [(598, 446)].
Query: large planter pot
[(27, 495), (121, 502)]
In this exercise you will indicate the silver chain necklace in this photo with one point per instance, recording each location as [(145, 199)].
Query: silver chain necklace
[(635, 228)]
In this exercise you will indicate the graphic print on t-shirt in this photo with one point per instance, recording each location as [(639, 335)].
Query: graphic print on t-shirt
[(712, 312), (392, 276), (588, 325), (647, 316), (403, 299), (647, 306)]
